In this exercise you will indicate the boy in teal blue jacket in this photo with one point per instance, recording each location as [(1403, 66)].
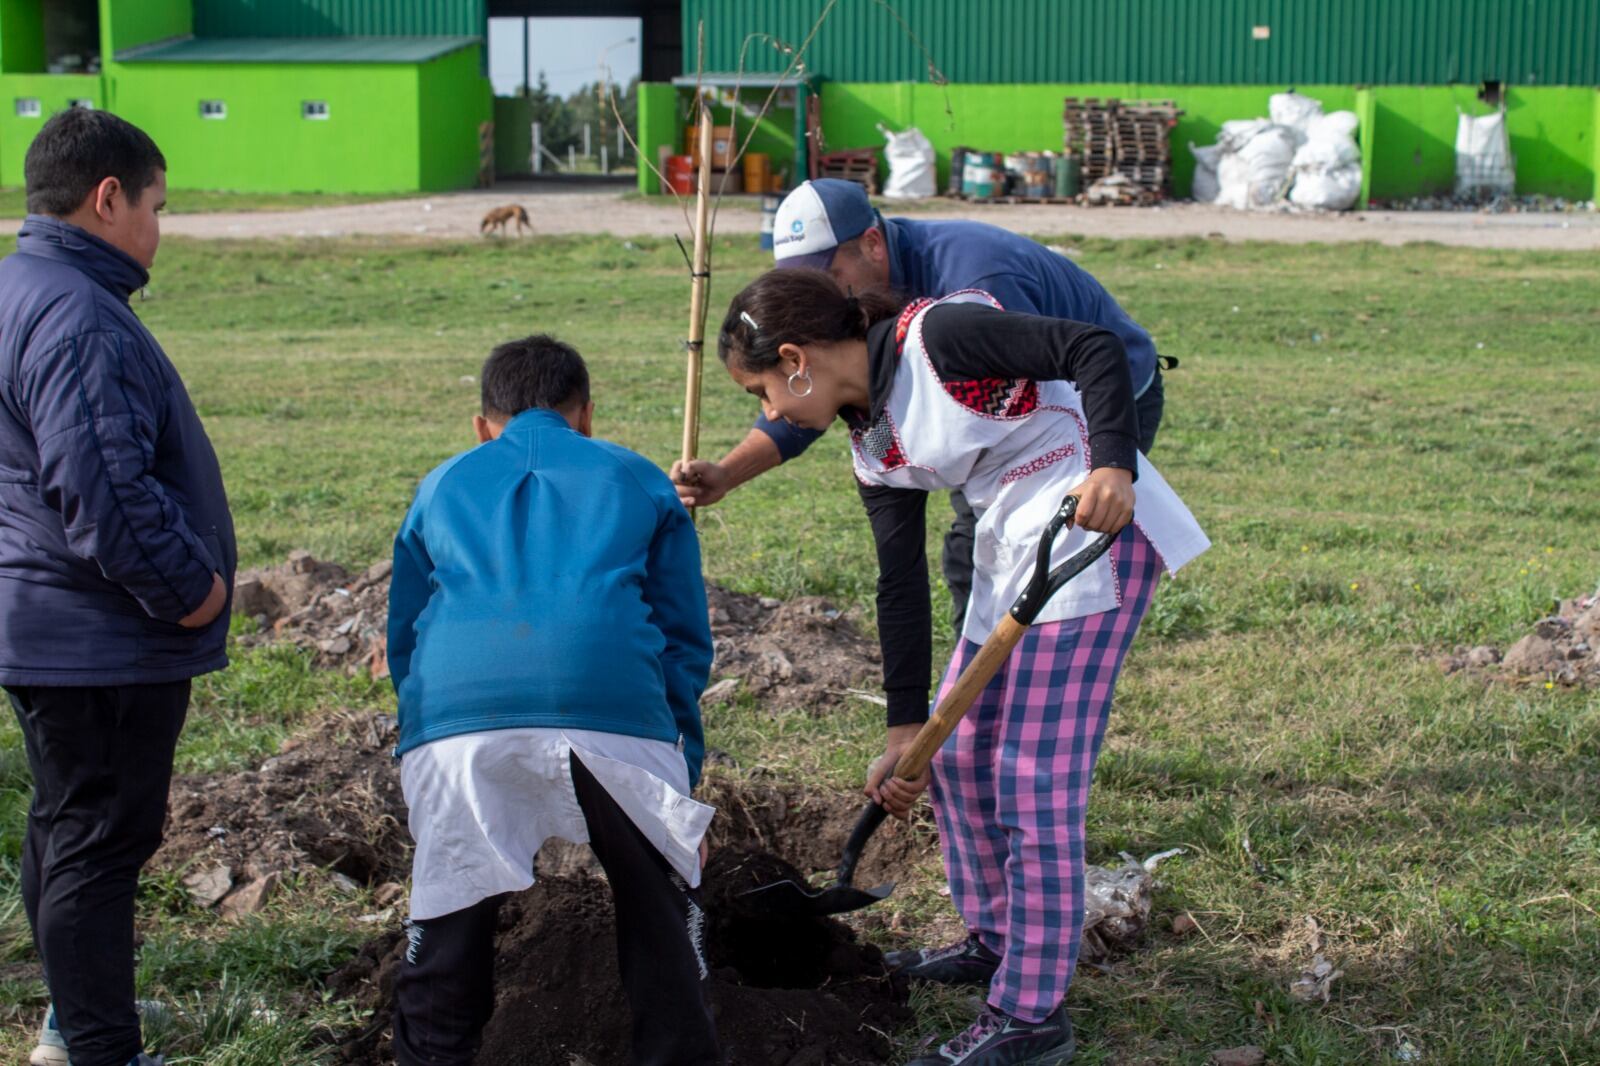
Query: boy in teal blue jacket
[(548, 641)]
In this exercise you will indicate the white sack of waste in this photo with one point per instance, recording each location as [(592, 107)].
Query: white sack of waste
[(1205, 186), (1484, 163), (1294, 111), (1258, 174), (911, 165), (1334, 123), (1327, 189), (1236, 133)]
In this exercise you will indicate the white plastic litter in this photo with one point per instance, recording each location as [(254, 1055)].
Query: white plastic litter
[(1484, 164), (911, 165)]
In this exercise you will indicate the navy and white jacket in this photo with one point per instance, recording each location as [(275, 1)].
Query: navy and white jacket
[(547, 580), (113, 516)]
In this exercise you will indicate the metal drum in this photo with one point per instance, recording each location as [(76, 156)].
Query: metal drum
[(981, 176)]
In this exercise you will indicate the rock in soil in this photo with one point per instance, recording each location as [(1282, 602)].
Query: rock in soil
[(804, 655)]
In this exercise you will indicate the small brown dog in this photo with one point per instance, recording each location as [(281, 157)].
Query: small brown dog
[(495, 221)]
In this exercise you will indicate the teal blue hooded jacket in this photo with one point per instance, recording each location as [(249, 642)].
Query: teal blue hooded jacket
[(545, 579)]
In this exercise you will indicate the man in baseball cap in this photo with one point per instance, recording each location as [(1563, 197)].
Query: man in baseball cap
[(830, 225), (815, 219)]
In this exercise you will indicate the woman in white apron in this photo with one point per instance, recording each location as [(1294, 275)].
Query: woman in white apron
[(1015, 411)]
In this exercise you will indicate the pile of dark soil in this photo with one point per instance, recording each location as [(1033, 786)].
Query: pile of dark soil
[(804, 654), (1563, 649), (330, 799), (783, 994)]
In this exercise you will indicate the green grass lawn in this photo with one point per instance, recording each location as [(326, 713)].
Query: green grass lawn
[(13, 201), (1394, 449)]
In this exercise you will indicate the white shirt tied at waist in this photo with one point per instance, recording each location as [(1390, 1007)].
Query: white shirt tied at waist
[(483, 804)]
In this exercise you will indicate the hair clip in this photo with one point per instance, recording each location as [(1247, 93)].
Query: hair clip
[(744, 316)]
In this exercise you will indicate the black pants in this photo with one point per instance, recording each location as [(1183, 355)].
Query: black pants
[(956, 560), (444, 992), (101, 761)]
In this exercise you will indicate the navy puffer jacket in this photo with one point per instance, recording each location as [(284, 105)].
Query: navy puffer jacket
[(113, 516)]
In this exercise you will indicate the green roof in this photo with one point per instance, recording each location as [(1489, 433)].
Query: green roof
[(296, 50)]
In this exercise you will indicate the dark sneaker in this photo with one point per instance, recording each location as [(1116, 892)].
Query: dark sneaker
[(966, 963), (997, 1039)]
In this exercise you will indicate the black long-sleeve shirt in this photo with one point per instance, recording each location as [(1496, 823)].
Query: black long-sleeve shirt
[(967, 342)]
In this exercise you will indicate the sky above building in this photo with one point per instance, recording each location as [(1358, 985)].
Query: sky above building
[(567, 50)]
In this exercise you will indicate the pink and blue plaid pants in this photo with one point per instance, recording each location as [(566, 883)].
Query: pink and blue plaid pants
[(1011, 785)]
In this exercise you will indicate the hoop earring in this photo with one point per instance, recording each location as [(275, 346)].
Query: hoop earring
[(809, 385)]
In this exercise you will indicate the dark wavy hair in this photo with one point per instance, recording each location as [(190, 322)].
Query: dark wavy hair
[(796, 306)]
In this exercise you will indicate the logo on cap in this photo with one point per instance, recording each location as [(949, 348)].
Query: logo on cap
[(797, 226)]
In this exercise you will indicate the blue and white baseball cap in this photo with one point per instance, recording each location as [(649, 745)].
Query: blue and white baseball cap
[(816, 218)]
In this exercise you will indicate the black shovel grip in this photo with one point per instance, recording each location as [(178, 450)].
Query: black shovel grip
[(872, 816), (1045, 582)]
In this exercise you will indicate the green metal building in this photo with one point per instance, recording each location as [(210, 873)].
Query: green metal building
[(1404, 66), (315, 95)]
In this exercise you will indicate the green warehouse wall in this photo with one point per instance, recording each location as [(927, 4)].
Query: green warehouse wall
[(658, 124), (368, 143), (22, 36), (128, 23), (453, 100), (55, 92), (1552, 136)]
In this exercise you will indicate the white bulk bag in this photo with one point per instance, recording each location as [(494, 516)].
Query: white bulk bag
[(1327, 189), (911, 165), (1484, 164)]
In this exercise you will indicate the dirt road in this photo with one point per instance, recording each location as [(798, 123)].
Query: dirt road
[(555, 209)]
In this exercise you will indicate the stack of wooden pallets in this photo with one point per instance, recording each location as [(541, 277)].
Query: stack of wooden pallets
[(1143, 147), (1091, 132), (859, 165)]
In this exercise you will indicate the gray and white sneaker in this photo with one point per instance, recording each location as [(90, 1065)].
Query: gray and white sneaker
[(997, 1039), (52, 1049), (966, 963)]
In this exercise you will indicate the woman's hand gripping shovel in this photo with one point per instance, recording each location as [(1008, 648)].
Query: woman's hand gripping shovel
[(791, 899)]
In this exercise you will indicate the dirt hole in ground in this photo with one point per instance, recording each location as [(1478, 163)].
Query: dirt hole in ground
[(1562, 649), (805, 993)]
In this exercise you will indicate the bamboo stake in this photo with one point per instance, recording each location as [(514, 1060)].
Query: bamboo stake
[(699, 278)]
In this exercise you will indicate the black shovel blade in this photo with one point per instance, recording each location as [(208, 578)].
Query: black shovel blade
[(785, 900)]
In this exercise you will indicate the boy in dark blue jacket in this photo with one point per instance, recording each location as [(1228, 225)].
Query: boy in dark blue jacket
[(549, 642), (116, 557)]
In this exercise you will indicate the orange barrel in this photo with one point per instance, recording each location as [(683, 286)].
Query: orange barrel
[(680, 174), (757, 172)]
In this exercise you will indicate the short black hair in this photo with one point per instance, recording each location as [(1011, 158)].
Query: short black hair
[(79, 148), (536, 371)]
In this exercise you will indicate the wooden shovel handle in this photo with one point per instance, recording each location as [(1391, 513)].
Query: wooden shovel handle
[(975, 676)]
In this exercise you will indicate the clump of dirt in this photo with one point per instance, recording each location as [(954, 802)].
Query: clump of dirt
[(1563, 649), (804, 654), (320, 606), (330, 798), (782, 994)]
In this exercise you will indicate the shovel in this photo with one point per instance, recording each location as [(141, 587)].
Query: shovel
[(792, 899)]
